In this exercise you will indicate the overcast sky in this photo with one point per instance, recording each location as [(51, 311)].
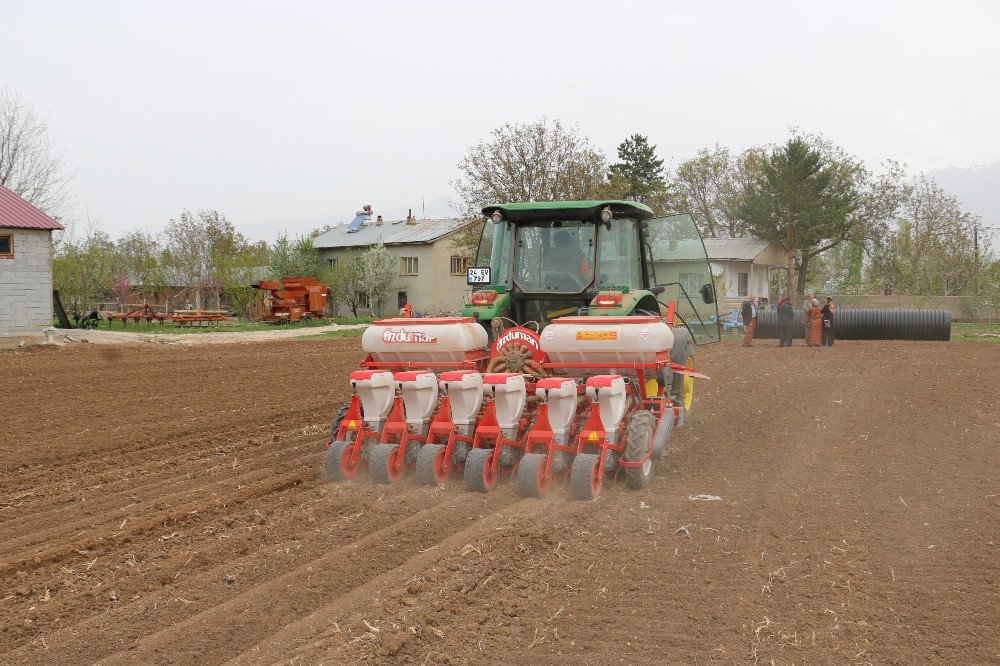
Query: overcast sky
[(279, 113)]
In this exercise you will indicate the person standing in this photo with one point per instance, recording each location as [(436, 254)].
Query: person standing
[(749, 316), (827, 316), (786, 321), (814, 324)]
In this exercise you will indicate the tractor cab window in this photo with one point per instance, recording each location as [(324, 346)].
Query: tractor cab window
[(555, 257), (495, 247), (676, 259), (619, 262)]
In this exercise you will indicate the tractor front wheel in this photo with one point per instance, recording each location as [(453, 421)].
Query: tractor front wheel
[(640, 435), (337, 420), (387, 463), (479, 473), (682, 386), (337, 462), (433, 468), (585, 479), (532, 481)]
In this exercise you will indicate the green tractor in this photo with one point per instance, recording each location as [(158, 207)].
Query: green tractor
[(538, 261)]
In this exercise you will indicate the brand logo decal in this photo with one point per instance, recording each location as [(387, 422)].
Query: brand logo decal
[(645, 334), (597, 335), (406, 336), (549, 334), (520, 336)]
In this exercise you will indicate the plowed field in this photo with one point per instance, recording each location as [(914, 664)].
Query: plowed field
[(167, 505)]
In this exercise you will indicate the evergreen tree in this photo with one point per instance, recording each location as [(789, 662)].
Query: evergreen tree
[(639, 173), (799, 201)]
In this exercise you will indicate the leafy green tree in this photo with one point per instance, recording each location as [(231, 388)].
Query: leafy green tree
[(294, 257), (799, 201), (711, 185), (638, 174), (931, 249), (83, 269)]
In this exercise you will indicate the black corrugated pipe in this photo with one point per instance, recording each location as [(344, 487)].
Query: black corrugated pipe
[(856, 324)]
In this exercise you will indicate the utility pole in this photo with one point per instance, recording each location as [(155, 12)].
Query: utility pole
[(975, 245)]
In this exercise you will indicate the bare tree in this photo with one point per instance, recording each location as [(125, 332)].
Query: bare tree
[(28, 166), (710, 186), (539, 161)]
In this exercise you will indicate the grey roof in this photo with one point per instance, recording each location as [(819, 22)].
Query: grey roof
[(395, 232), (736, 249)]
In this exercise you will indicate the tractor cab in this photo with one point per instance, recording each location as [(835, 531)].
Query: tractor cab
[(539, 261)]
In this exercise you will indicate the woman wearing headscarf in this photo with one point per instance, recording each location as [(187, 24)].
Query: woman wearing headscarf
[(786, 320), (814, 324), (828, 309)]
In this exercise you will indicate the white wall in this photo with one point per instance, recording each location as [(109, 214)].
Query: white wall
[(26, 283)]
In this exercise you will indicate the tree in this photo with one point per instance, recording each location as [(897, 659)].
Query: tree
[(204, 251), (539, 161), (931, 249), (711, 185), (346, 281), (639, 173), (293, 258), (83, 269), (28, 166), (802, 202), (380, 269)]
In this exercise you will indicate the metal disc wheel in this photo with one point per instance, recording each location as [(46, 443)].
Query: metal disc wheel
[(433, 468), (479, 474), (531, 478), (337, 462), (385, 465), (640, 435), (584, 478)]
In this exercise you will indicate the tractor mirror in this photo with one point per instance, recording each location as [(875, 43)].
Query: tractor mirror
[(707, 293)]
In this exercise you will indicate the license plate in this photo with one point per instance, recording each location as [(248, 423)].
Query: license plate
[(480, 275)]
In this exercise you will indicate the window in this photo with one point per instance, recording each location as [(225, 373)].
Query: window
[(692, 282), (332, 262), (742, 284), (407, 265), (401, 299), (459, 265), (555, 256), (618, 263), (6, 246)]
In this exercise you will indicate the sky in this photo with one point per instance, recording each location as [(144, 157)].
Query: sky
[(288, 114)]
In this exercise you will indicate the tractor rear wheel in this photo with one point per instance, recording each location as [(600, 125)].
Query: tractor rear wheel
[(432, 468), (384, 464), (682, 386), (338, 464), (640, 435), (337, 420), (479, 474), (585, 481), (531, 478)]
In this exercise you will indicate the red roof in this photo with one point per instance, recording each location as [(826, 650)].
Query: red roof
[(17, 213)]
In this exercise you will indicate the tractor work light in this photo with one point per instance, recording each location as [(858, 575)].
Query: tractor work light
[(496, 217), (606, 215), (606, 298), (484, 297)]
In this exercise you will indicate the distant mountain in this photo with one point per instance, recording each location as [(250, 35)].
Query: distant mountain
[(978, 188)]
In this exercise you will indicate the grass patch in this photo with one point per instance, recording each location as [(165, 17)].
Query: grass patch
[(343, 333), (980, 332)]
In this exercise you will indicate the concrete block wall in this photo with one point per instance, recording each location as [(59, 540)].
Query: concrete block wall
[(26, 283)]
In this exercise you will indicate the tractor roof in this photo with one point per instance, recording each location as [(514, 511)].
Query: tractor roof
[(539, 211)]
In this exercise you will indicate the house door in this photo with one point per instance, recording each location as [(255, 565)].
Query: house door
[(401, 298)]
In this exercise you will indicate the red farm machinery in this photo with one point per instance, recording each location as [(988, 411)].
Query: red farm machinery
[(571, 364), (294, 299)]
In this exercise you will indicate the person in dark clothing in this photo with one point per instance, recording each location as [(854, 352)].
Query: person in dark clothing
[(786, 321), (828, 309), (749, 316)]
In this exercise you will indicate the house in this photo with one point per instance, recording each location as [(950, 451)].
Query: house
[(25, 267), (431, 271), (742, 266)]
